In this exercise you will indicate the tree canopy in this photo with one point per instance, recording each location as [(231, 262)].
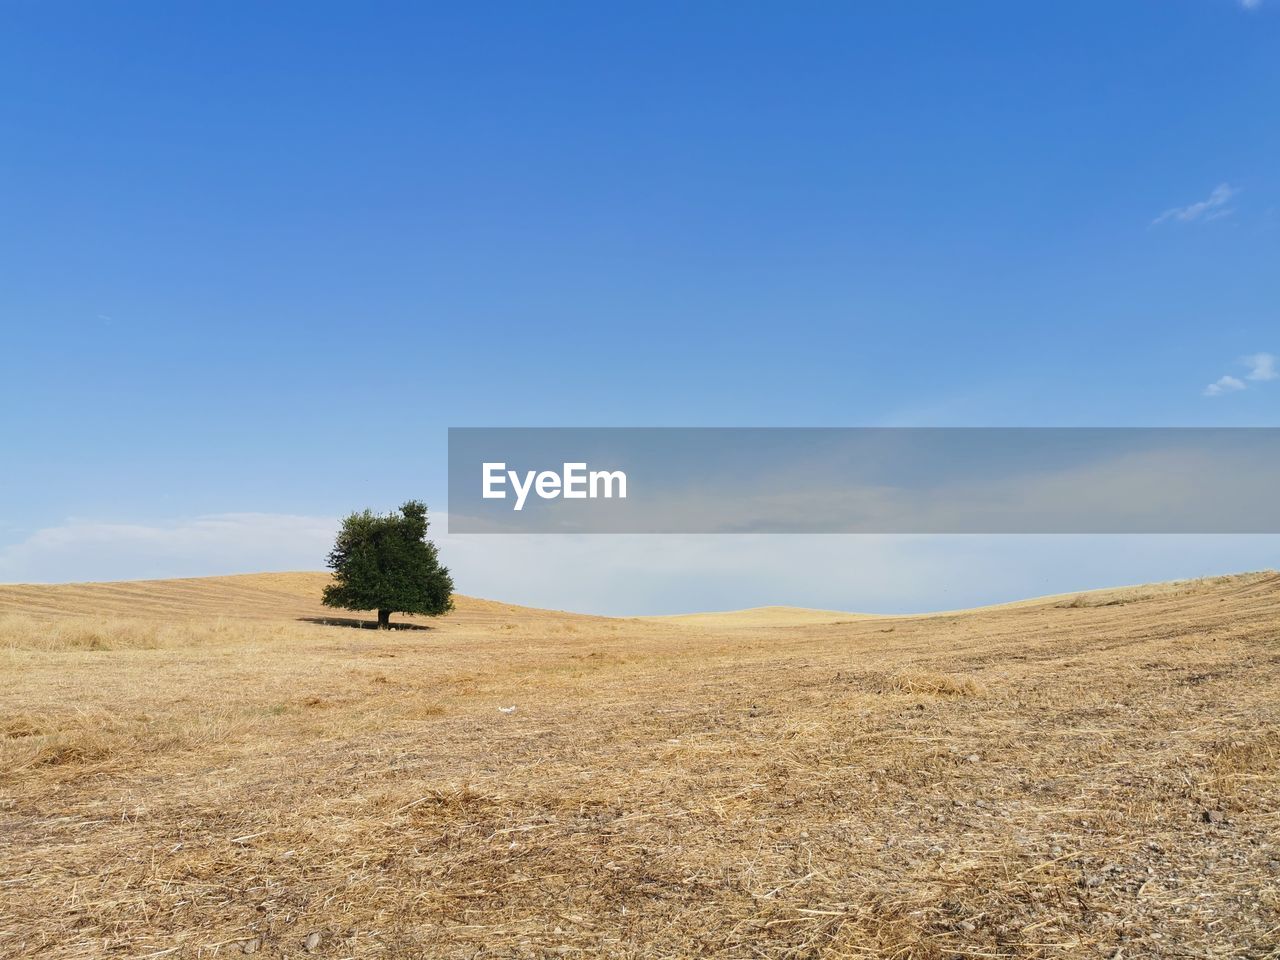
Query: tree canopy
[(386, 563)]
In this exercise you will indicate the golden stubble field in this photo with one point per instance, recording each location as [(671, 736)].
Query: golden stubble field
[(196, 769)]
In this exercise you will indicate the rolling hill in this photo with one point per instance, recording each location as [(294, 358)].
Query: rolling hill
[(210, 767)]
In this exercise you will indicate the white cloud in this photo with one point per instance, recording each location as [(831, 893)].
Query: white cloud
[(1226, 384), (1251, 4), (200, 546), (1212, 208), (1262, 366), (642, 574)]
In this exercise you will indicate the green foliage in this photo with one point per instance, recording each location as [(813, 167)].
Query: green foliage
[(386, 563)]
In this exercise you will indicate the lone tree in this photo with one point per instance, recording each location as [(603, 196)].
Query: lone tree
[(386, 563)]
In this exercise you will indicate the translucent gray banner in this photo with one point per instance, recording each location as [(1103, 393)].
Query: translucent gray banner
[(864, 480)]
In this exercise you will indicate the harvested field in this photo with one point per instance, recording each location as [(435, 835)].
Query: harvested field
[(201, 768)]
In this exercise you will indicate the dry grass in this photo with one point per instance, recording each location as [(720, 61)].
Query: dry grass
[(190, 767), (26, 632), (941, 684)]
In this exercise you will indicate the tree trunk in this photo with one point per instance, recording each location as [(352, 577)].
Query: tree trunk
[(384, 619)]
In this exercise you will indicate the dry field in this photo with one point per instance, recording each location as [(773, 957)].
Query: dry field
[(194, 769)]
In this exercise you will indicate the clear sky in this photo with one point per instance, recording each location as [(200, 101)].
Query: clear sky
[(256, 258)]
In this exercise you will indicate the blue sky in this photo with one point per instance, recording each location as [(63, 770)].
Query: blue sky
[(256, 258)]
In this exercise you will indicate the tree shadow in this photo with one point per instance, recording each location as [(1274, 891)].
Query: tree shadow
[(362, 624)]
